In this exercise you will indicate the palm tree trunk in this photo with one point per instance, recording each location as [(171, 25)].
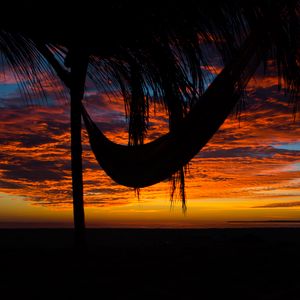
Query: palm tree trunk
[(78, 63)]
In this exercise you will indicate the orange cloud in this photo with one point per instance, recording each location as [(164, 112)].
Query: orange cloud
[(239, 167)]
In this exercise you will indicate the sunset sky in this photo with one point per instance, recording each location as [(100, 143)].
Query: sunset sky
[(247, 175)]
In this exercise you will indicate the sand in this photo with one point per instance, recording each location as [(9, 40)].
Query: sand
[(151, 264)]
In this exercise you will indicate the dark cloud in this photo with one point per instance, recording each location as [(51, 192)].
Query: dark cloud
[(33, 140), (10, 185), (39, 174), (279, 205), (254, 152), (263, 221)]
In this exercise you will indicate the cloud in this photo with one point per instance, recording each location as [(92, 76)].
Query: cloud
[(263, 221), (279, 205), (238, 162)]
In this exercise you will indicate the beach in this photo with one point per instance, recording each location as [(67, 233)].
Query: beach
[(151, 264)]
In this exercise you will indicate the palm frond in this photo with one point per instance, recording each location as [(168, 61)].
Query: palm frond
[(29, 66)]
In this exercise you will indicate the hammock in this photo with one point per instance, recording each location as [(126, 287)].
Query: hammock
[(144, 165)]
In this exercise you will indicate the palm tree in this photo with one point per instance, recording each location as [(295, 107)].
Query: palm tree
[(151, 52)]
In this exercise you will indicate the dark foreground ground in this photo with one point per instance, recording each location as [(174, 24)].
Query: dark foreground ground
[(151, 264)]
